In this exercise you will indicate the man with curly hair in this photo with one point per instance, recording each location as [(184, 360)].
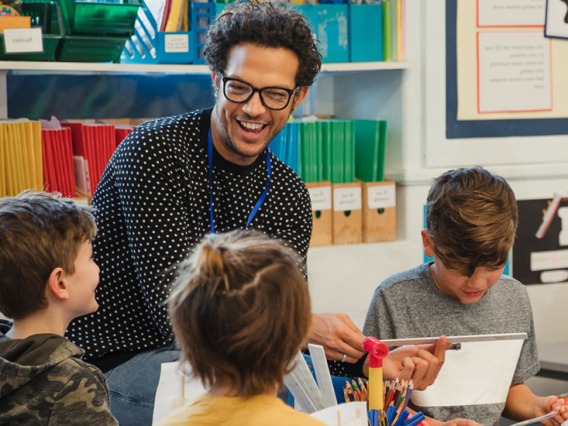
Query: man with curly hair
[(176, 179)]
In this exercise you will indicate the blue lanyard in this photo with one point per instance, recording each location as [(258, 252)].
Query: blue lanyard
[(259, 202)]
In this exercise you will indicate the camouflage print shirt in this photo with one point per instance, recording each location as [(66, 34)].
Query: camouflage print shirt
[(44, 381)]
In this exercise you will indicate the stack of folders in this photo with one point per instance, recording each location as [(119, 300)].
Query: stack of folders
[(46, 155), (58, 169), (394, 29), (20, 156), (285, 145), (93, 145), (335, 150)]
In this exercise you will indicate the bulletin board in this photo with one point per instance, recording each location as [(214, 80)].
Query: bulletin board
[(544, 259), (504, 77), (463, 134)]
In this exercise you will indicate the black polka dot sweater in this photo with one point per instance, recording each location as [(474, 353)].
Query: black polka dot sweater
[(152, 207)]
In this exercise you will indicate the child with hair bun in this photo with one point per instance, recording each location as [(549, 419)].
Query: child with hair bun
[(240, 311)]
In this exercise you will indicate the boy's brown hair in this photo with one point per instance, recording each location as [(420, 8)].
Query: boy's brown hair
[(39, 232), (240, 310), (471, 218)]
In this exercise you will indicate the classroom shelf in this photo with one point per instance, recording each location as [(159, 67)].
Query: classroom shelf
[(89, 67)]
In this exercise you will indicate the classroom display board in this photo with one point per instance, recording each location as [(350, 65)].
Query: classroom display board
[(504, 76), (465, 126), (541, 257)]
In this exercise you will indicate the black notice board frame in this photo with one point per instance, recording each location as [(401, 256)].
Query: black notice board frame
[(484, 128)]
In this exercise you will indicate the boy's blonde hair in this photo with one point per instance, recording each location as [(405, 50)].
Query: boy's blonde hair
[(472, 219), (39, 232), (241, 310)]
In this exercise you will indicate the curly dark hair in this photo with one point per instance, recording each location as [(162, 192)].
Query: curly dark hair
[(267, 25)]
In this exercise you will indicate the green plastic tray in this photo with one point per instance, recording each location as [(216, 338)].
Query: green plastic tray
[(112, 18)]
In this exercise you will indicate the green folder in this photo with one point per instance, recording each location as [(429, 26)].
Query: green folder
[(369, 150)]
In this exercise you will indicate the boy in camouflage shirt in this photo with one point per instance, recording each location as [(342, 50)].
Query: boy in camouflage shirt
[(47, 278)]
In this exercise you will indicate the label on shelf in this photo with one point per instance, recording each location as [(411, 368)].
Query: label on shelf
[(321, 197), (23, 40), (381, 196), (176, 43), (347, 199)]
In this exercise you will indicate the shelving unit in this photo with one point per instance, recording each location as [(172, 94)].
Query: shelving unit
[(174, 68), (74, 68), (365, 89)]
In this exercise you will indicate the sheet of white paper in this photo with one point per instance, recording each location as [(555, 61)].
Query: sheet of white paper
[(346, 414), (478, 373), (323, 376), (511, 12), (169, 392), (514, 72)]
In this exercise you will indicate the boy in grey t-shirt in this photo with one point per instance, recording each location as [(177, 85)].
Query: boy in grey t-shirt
[(471, 221)]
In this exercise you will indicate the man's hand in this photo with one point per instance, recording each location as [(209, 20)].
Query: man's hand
[(341, 339), (421, 363)]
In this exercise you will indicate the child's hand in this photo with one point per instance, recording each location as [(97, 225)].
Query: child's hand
[(421, 363), (560, 405)]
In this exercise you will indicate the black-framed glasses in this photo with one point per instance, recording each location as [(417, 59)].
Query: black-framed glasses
[(272, 97)]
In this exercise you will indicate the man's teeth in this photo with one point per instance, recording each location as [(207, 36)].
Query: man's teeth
[(251, 126)]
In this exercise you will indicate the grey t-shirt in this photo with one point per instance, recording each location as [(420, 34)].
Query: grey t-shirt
[(409, 304)]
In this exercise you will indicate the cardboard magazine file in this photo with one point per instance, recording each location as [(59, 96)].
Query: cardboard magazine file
[(379, 211), (322, 213), (347, 213)]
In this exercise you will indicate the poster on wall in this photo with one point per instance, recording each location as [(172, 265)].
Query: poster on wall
[(540, 252), (503, 76)]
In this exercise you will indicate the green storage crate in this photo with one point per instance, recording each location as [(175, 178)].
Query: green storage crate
[(48, 16), (111, 17), (83, 48)]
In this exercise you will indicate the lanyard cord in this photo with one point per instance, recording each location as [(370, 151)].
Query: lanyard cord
[(258, 203)]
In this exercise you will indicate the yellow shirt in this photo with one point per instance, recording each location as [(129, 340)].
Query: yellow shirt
[(260, 410)]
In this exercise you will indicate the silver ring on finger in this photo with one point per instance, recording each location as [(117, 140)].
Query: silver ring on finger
[(344, 358)]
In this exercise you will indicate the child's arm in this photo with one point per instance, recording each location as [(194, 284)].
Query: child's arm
[(522, 404)]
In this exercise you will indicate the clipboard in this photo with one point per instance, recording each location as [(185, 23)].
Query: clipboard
[(486, 362)]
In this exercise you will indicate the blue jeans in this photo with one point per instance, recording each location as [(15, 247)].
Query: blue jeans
[(133, 385)]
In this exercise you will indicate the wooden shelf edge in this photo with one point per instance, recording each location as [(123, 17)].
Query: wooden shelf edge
[(89, 67)]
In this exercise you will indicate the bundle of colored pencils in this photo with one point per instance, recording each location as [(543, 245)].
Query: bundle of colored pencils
[(355, 392), (396, 392)]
